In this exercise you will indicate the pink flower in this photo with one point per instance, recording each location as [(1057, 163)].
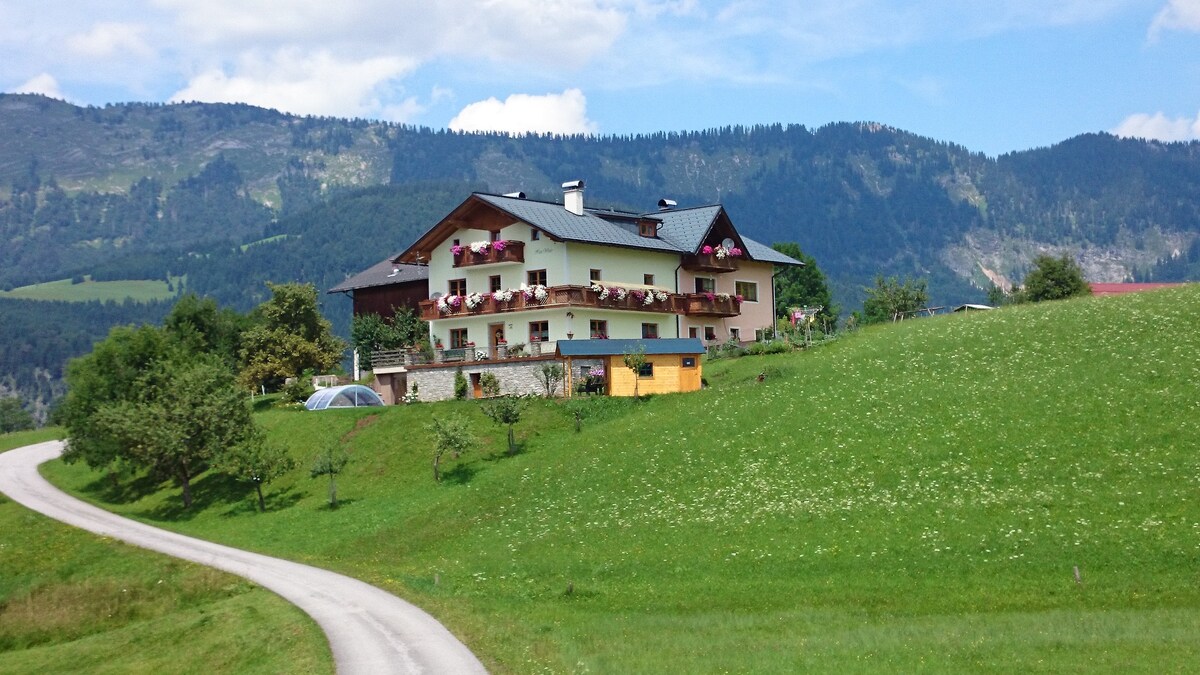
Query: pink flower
[(456, 250), (707, 250), (739, 299), (735, 252), (710, 296), (499, 244)]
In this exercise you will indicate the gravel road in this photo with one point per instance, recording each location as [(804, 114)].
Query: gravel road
[(369, 630)]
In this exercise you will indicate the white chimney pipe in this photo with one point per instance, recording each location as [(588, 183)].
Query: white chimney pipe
[(573, 196)]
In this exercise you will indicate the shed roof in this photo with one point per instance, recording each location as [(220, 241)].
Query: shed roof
[(623, 346), (383, 273)]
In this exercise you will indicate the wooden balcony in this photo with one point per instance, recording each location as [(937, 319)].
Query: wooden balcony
[(709, 263), (565, 296), (514, 252), (699, 304)]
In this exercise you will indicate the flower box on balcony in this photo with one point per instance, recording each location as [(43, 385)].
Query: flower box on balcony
[(700, 262), (498, 252), (708, 304)]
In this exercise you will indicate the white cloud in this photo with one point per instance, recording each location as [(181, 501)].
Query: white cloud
[(1159, 127), (526, 31), (564, 113), (1176, 15), (44, 84), (108, 38), (292, 81)]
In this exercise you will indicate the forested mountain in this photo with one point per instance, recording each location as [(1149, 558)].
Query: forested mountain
[(232, 196)]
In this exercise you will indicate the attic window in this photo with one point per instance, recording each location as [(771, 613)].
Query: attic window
[(646, 228), (534, 234)]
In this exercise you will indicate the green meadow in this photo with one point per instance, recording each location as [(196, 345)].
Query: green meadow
[(71, 601), (88, 290), (910, 497)]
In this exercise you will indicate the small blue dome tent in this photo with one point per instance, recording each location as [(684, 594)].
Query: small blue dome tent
[(346, 396)]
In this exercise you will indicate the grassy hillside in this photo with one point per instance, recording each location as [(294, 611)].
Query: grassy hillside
[(71, 601), (911, 497), (143, 290)]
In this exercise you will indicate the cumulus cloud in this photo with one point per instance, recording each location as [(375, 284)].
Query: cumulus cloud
[(1176, 15), (106, 39), (292, 81), (44, 84), (1159, 127), (564, 113)]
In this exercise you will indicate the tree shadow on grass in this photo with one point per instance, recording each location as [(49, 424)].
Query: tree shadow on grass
[(461, 474), (123, 490), (503, 453), (210, 489), (341, 504), (275, 500)]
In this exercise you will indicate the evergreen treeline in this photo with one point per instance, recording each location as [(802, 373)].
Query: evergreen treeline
[(37, 339)]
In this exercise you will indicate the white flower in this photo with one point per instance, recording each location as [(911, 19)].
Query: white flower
[(474, 300), (660, 296), (649, 299), (603, 293), (479, 246), (621, 293)]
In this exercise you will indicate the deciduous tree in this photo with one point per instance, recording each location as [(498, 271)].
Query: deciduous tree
[(635, 360), (258, 462), (1054, 279), (890, 298), (13, 417), (290, 336), (449, 435), (330, 463)]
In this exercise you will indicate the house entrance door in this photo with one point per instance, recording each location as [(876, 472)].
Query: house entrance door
[(495, 337)]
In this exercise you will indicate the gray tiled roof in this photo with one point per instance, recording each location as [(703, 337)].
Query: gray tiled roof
[(682, 230), (560, 223), (383, 273), (622, 346)]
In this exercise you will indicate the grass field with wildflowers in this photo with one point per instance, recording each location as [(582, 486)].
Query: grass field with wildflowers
[(910, 497), (73, 602)]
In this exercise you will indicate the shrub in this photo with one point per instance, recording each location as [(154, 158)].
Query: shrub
[(298, 390), (460, 384)]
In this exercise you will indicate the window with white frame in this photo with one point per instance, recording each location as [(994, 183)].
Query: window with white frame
[(747, 289)]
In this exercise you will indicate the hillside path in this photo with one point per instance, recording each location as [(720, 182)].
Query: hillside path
[(369, 629)]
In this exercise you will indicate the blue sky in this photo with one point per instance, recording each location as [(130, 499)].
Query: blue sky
[(994, 76)]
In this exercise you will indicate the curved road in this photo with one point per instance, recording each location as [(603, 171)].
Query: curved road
[(369, 630)]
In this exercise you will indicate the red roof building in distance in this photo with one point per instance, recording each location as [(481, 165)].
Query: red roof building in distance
[(1119, 289)]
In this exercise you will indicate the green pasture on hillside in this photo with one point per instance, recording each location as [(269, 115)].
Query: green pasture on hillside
[(909, 498), (141, 290), (71, 601)]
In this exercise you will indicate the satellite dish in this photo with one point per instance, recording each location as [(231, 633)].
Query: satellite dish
[(728, 243), (435, 295)]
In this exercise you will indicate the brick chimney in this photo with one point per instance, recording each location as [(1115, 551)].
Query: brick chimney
[(573, 196)]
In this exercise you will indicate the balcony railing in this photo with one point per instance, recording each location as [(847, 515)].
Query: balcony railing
[(699, 262), (558, 296), (514, 252), (707, 304), (467, 354)]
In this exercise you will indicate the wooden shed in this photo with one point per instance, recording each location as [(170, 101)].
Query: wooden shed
[(672, 364)]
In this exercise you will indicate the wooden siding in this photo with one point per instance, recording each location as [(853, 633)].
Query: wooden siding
[(669, 375), (382, 299)]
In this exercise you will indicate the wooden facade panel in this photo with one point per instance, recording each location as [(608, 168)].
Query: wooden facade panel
[(382, 299), (669, 375)]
